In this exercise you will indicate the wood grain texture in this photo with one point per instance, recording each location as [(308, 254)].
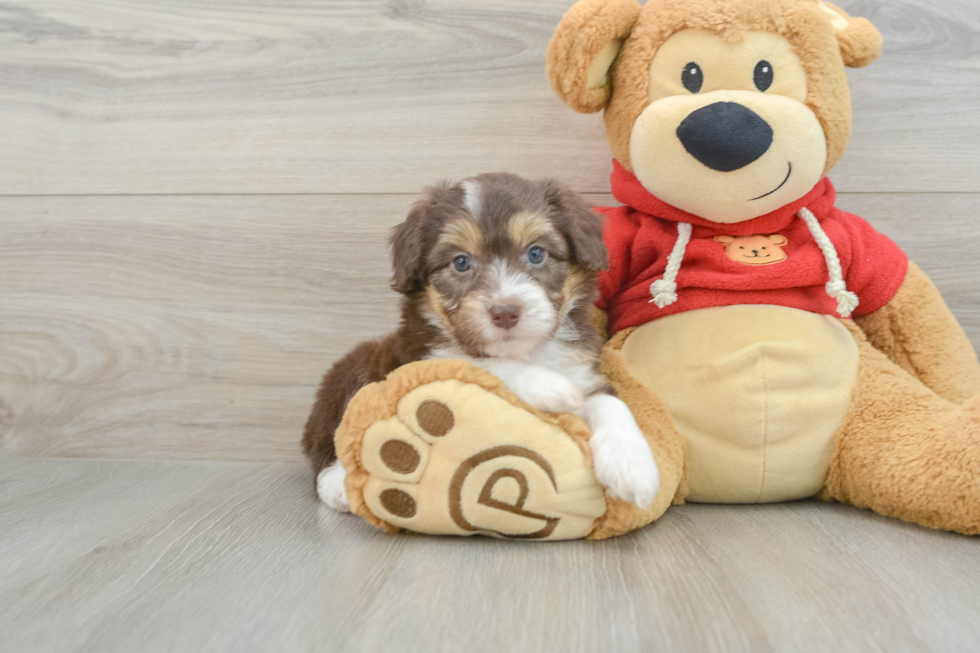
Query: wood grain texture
[(240, 556), (199, 327), (369, 96), (187, 327)]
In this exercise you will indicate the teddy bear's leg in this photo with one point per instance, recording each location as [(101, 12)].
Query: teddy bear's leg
[(906, 452), (918, 332), (444, 447), (666, 443)]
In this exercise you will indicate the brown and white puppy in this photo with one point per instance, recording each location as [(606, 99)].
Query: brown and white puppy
[(500, 271)]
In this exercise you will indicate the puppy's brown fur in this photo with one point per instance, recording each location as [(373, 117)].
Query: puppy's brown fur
[(493, 220)]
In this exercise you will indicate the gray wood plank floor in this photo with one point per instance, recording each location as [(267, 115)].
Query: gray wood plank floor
[(194, 201), (176, 556)]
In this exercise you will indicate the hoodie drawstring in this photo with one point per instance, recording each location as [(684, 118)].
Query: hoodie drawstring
[(836, 288), (664, 290)]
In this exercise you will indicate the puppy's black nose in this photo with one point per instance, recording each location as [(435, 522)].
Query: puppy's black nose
[(505, 316), (725, 136)]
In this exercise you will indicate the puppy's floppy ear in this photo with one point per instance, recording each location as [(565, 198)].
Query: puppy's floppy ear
[(859, 40), (583, 49), (408, 245), (581, 226)]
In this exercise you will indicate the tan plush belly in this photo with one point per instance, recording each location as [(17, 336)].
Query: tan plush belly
[(758, 392)]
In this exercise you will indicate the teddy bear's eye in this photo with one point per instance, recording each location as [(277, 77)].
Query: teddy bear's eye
[(740, 247), (692, 77), (763, 75)]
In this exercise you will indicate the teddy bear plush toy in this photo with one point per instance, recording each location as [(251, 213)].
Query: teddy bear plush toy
[(771, 346)]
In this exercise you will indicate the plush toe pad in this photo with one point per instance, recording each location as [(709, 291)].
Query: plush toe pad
[(393, 452), (459, 458)]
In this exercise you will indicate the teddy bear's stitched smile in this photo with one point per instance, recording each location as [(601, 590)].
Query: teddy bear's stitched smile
[(788, 173)]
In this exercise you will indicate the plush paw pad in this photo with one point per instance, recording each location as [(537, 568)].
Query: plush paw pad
[(459, 459)]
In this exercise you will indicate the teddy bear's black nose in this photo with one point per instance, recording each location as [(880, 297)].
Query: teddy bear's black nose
[(725, 136)]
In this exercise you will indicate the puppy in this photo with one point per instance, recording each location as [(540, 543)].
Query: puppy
[(499, 271)]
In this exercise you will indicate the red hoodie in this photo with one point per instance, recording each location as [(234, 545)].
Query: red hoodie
[(642, 234)]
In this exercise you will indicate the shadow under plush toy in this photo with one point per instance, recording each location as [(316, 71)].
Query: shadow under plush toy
[(833, 370)]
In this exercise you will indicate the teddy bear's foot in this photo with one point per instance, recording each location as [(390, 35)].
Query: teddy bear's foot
[(906, 452), (460, 458)]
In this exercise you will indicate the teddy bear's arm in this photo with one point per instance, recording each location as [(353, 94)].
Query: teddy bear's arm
[(918, 332)]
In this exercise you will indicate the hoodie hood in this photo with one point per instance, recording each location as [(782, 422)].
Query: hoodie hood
[(664, 260)]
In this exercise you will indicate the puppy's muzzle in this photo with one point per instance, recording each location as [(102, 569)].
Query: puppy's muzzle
[(725, 136)]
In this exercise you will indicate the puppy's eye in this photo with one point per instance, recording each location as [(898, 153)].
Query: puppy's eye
[(692, 77), (763, 75), (461, 262), (536, 255)]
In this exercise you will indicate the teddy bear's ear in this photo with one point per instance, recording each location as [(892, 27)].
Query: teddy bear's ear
[(725, 240), (583, 49), (859, 40), (778, 240)]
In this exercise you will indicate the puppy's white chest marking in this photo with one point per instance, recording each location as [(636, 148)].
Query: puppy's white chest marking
[(556, 356), (573, 363)]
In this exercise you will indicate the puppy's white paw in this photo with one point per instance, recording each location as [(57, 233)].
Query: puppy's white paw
[(548, 391), (626, 469), (330, 487), (621, 458)]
